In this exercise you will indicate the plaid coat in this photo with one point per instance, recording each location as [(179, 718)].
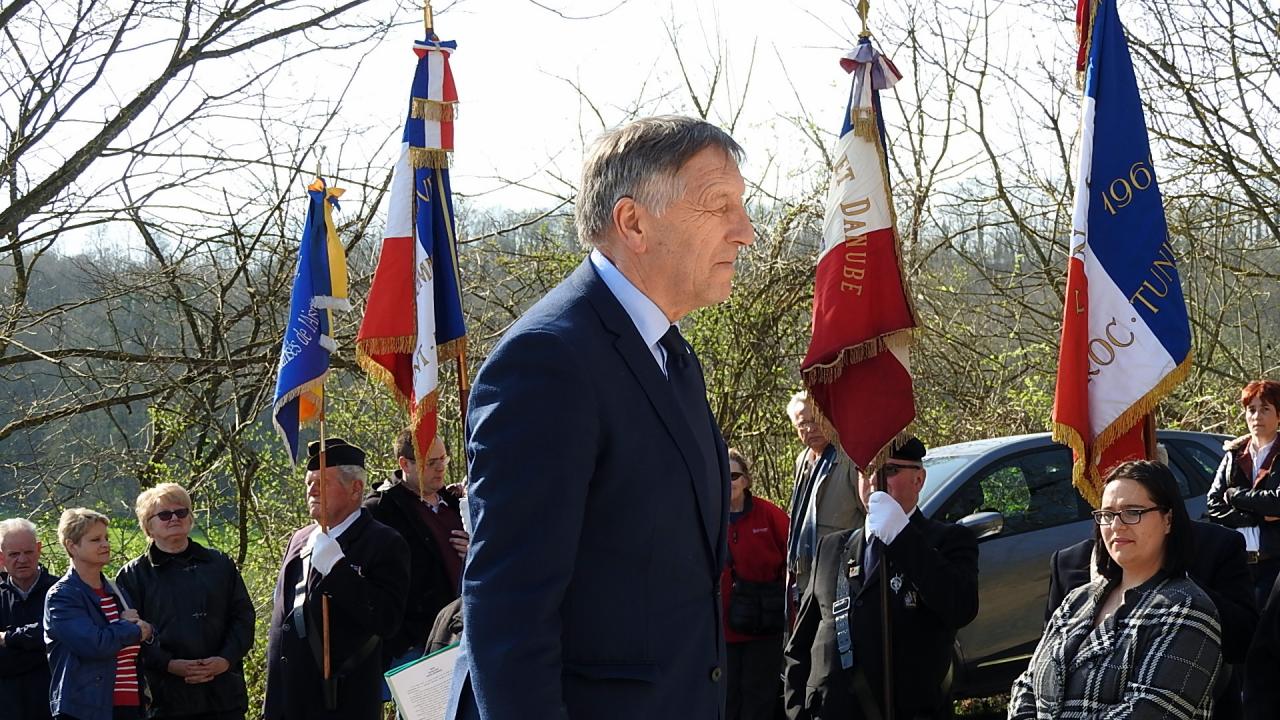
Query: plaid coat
[(1157, 657)]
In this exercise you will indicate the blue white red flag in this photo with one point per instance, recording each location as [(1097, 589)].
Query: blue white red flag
[(413, 319), (319, 287), (857, 367), (1126, 340)]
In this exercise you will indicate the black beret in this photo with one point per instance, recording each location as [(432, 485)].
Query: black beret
[(336, 452), (912, 450)]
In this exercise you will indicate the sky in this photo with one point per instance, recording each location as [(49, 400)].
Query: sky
[(534, 86)]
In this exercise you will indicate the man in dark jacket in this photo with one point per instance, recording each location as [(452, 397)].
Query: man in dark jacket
[(362, 567), (24, 672), (1218, 566), (834, 662), (416, 504)]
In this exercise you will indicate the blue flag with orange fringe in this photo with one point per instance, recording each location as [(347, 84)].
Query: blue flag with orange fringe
[(319, 288)]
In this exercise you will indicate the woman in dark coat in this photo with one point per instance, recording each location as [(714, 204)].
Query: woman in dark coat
[(1245, 494), (1140, 641), (198, 602)]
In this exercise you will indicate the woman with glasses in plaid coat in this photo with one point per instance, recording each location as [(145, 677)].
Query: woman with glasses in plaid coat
[(1141, 640)]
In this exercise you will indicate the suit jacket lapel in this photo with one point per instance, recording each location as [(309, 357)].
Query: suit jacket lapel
[(656, 387)]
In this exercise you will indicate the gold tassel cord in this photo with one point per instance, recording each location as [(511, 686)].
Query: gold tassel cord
[(435, 110), (864, 124), (429, 157)]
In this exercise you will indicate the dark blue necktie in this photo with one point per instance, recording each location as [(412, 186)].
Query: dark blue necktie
[(691, 396)]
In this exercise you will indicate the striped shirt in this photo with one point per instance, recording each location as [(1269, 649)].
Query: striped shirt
[(126, 688)]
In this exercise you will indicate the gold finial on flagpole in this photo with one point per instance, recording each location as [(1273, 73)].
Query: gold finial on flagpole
[(428, 17), (864, 8)]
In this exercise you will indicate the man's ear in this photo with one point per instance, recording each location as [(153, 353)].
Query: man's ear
[(628, 224), (404, 464)]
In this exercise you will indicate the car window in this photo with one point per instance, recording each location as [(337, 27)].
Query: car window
[(1032, 490), (1205, 459), (1184, 485)]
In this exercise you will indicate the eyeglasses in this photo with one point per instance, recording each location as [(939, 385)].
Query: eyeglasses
[(1128, 516), (736, 475), (167, 515), (438, 462), (891, 469)]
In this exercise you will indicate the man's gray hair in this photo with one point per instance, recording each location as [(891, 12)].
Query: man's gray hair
[(13, 525), (798, 402), (352, 473), (640, 160)]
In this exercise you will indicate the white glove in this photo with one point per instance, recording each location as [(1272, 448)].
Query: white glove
[(325, 552), (885, 518)]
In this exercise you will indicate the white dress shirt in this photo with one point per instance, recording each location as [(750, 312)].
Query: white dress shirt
[(648, 318)]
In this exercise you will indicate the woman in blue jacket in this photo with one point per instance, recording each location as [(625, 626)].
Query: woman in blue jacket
[(91, 632)]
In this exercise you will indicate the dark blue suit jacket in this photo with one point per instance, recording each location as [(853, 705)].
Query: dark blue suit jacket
[(591, 589)]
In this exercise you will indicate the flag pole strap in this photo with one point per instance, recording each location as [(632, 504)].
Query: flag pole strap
[(324, 527), (887, 635)]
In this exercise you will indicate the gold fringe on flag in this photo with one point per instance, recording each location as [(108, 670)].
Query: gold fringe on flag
[(429, 157), (1084, 470), (1068, 436), (386, 346), (451, 350), (882, 456), (376, 372), (830, 372), (437, 110)]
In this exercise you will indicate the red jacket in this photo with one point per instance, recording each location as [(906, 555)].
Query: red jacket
[(758, 546)]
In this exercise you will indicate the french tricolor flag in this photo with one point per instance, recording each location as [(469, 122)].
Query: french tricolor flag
[(413, 318), (1126, 341), (857, 367)]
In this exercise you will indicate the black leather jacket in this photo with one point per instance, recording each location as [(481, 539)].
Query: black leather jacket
[(199, 605), (1248, 505)]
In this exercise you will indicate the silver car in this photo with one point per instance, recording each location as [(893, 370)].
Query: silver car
[(1015, 493)]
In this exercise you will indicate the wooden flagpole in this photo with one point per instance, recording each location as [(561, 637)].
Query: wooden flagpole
[(886, 633), (324, 520)]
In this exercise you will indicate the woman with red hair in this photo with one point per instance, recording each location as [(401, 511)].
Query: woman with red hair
[(1245, 494)]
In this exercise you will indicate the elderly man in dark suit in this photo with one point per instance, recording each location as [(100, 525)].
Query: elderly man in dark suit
[(362, 567), (1219, 567), (834, 663), (599, 484)]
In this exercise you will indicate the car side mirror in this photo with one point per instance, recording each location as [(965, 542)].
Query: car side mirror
[(985, 524)]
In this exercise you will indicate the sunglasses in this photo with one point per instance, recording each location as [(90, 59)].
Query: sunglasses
[(167, 515), (890, 469), (736, 475)]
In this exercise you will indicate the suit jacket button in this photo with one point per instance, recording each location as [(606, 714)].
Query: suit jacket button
[(715, 674)]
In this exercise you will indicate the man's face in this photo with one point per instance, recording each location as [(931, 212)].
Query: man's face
[(339, 499), (431, 471), (809, 429), (903, 481), (692, 246), (21, 552)]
